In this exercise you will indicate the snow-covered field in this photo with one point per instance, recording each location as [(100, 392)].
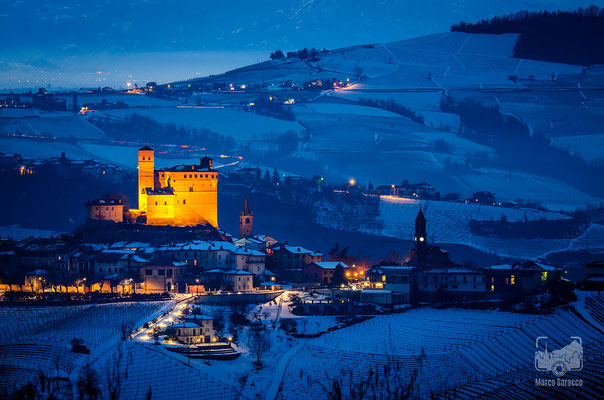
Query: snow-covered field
[(590, 147), (445, 348), (242, 126), (52, 125), (37, 339), (42, 148), (513, 185)]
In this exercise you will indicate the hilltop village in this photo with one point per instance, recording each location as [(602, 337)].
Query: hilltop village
[(172, 243)]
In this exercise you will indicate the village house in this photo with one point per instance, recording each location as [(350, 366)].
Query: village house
[(454, 282), (105, 210), (116, 264), (195, 329), (595, 276), (252, 261), (233, 280), (396, 278), (321, 272), (286, 256), (512, 280), (163, 274)]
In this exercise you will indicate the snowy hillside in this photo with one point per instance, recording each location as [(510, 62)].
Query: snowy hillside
[(447, 350)]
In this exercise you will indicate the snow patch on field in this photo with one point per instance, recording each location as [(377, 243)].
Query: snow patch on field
[(590, 147), (53, 125), (240, 125)]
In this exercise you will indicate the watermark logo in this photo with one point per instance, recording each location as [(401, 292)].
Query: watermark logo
[(559, 362)]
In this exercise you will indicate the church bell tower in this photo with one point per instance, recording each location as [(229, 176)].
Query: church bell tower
[(246, 222), (420, 238)]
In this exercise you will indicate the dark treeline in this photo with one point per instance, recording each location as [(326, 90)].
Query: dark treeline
[(548, 229), (146, 129), (518, 150), (393, 106), (573, 37)]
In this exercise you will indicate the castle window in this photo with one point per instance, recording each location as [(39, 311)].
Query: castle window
[(195, 176), (191, 189), (156, 203), (165, 203), (247, 220), (184, 201)]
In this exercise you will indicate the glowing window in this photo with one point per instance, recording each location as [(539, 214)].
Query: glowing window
[(512, 280)]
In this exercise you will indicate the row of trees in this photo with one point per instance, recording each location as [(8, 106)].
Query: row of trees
[(393, 106), (311, 54)]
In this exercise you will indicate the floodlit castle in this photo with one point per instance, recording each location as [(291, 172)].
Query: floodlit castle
[(181, 195)]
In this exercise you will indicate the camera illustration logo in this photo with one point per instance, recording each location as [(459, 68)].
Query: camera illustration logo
[(559, 362)]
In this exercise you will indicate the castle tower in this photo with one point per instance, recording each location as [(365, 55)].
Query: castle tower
[(246, 222), (420, 238), (146, 172)]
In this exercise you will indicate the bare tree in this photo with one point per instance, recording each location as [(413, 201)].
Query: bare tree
[(392, 380), (260, 342), (88, 385), (241, 379)]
